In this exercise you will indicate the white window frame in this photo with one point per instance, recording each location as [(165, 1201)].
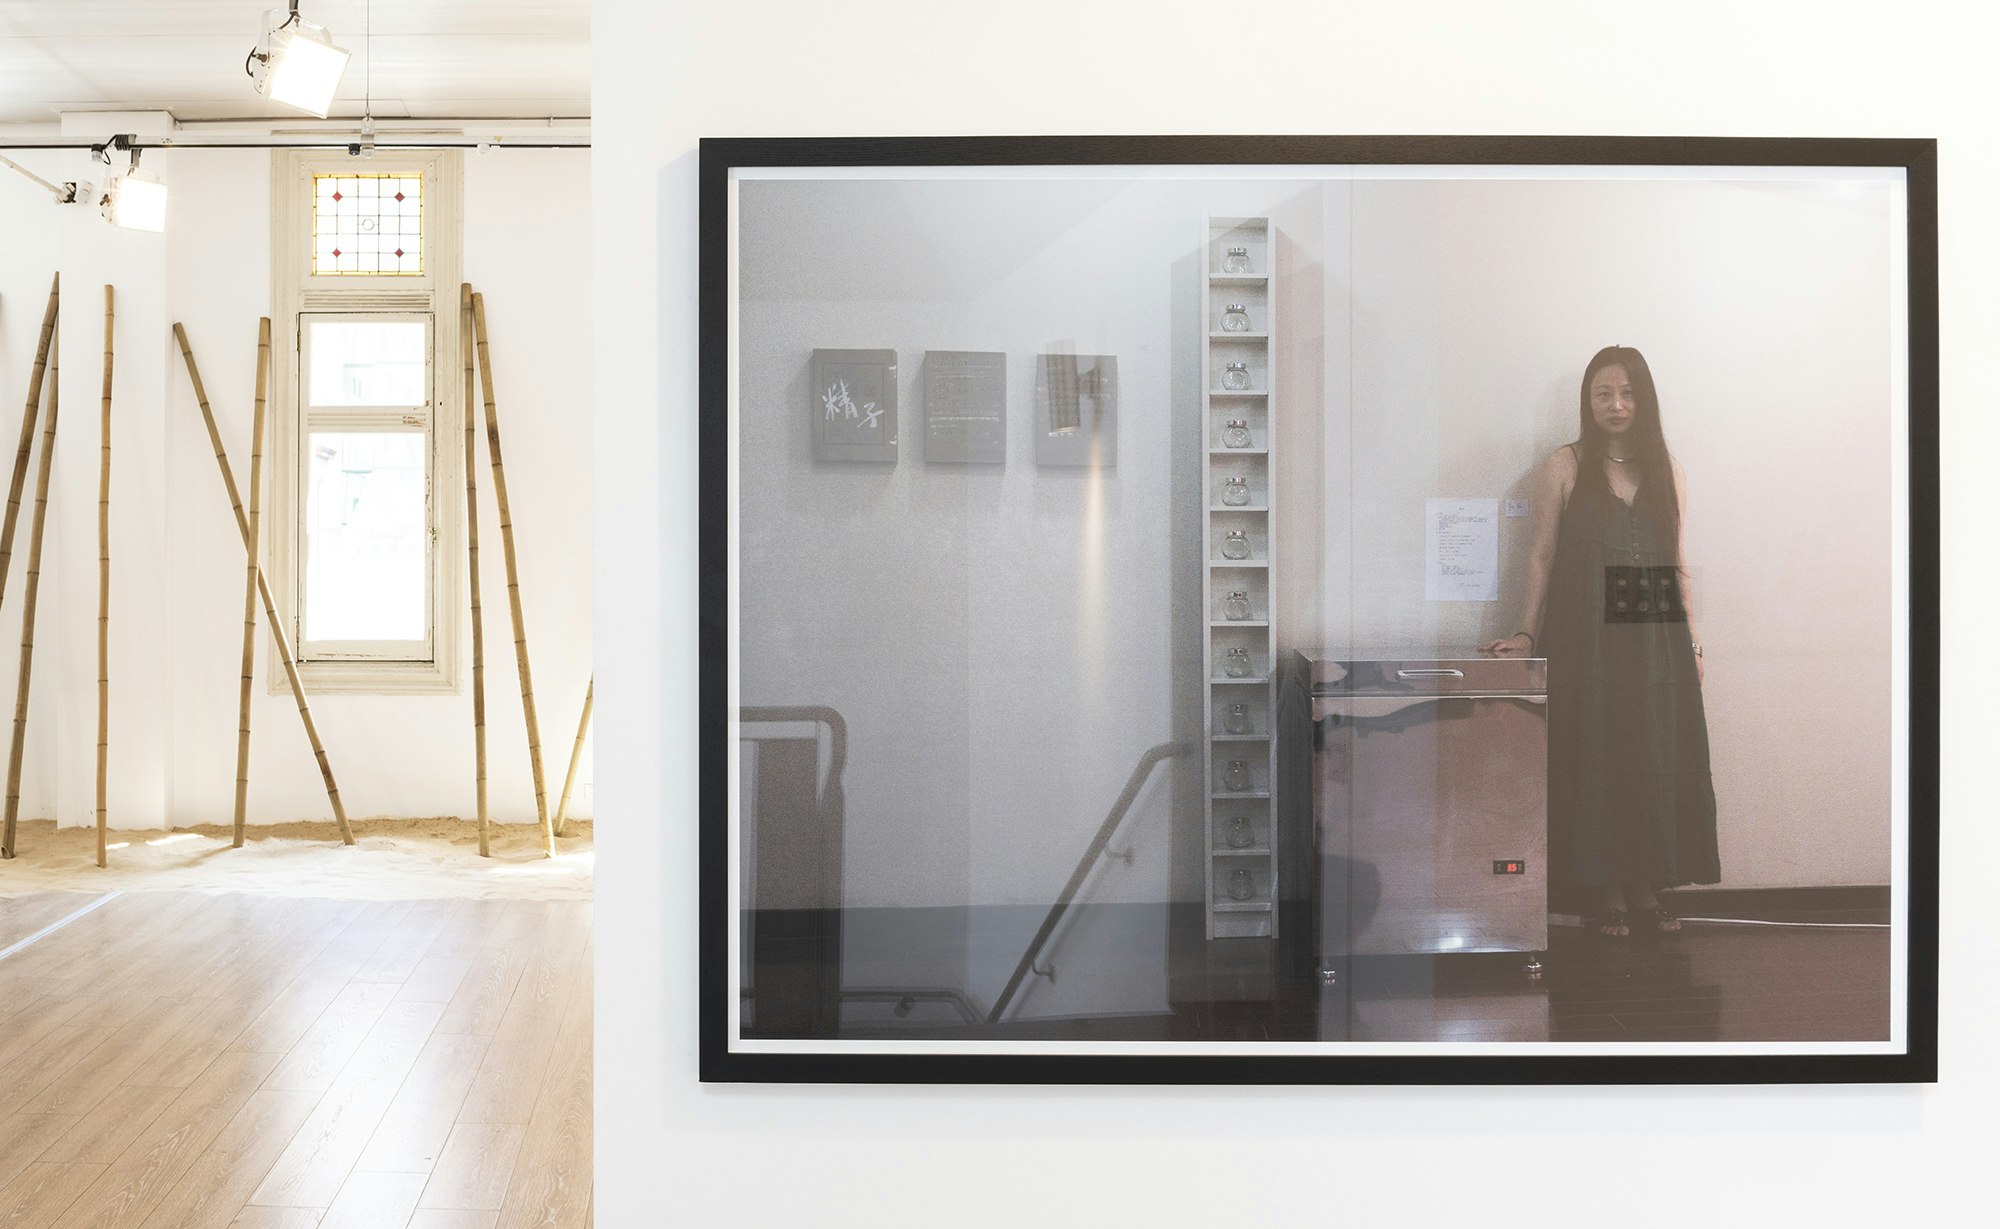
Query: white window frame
[(297, 293), (373, 420)]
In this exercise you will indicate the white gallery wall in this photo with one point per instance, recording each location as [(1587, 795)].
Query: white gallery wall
[(177, 569), (1174, 1155)]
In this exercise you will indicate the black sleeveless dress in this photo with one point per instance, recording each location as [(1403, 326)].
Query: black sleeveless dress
[(1630, 796)]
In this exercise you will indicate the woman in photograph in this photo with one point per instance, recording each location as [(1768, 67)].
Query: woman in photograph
[(1631, 805)]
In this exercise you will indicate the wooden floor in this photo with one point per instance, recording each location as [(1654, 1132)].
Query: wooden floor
[(175, 1061)]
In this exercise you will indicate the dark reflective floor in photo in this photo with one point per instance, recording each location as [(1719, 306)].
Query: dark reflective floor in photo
[(903, 974)]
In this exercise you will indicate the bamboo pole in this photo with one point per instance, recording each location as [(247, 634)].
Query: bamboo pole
[(250, 573), (472, 555), (575, 755), (28, 605), (513, 576), (276, 624), (27, 447), (104, 584)]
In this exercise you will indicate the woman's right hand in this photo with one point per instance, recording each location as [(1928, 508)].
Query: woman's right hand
[(1516, 645)]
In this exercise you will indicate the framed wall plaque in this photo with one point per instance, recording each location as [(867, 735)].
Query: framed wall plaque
[(960, 739), (965, 407), (853, 406), (1076, 410)]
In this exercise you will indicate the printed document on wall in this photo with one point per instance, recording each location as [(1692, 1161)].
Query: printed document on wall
[(1461, 550)]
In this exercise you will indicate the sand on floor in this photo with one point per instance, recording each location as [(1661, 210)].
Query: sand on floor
[(391, 859)]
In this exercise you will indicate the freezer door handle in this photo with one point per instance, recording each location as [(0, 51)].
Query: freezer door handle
[(1430, 674)]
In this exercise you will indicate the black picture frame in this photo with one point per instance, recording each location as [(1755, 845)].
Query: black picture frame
[(720, 1061)]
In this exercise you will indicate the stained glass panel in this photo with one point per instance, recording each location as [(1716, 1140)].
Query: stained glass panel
[(368, 225)]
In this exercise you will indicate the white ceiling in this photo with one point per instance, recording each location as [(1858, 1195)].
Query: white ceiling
[(430, 58)]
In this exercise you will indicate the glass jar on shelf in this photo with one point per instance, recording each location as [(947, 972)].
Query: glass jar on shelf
[(1236, 719), (1236, 260), (1240, 887), (1236, 377), (1239, 835), (1235, 545), (1236, 433), (1236, 606), (1236, 318), (1236, 493), (1236, 663), (1236, 776)]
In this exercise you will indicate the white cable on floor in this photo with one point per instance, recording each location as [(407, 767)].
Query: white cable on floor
[(1747, 921), (52, 927)]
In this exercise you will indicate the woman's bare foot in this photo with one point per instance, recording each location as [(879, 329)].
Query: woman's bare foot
[(1647, 912), (1611, 923)]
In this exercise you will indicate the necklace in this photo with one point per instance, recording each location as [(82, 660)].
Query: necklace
[(1620, 460)]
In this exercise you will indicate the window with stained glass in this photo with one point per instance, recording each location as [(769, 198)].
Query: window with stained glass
[(366, 261), (368, 225)]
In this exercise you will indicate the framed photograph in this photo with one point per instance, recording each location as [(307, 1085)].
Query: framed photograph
[(1212, 750)]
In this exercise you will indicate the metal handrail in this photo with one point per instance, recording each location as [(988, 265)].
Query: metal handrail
[(1098, 844)]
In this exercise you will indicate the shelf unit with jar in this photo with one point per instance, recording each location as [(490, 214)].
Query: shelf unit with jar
[(1240, 552)]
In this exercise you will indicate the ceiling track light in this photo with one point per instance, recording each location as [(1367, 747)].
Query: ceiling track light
[(131, 198), (296, 64)]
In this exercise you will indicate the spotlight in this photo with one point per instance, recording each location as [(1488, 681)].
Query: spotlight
[(132, 198), (299, 65), (138, 202)]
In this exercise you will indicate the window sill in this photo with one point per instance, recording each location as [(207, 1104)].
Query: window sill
[(382, 678)]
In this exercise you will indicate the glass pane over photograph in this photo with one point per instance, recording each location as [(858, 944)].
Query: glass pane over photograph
[(368, 225), (367, 363), (1330, 611), (367, 537)]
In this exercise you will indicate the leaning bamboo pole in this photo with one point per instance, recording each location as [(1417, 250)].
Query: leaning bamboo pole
[(250, 579), (472, 556), (27, 447), (104, 583), (513, 576), (575, 755), (28, 606), (277, 625)]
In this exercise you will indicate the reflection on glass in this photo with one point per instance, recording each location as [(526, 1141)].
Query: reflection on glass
[(366, 362), (366, 533)]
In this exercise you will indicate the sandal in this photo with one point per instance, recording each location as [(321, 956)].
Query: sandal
[(1659, 921), (1611, 924)]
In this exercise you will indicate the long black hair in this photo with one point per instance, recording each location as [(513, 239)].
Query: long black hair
[(1645, 443)]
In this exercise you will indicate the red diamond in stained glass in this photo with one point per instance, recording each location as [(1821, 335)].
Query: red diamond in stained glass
[(336, 196), (399, 196), (336, 251), (399, 251)]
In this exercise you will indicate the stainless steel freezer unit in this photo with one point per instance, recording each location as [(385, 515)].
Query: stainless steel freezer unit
[(1429, 801)]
